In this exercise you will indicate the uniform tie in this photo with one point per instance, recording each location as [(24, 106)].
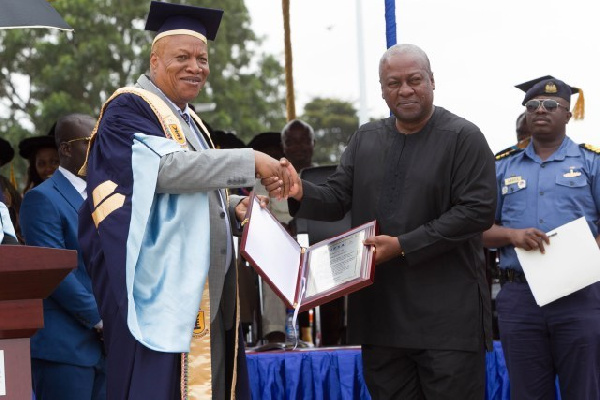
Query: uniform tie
[(185, 117)]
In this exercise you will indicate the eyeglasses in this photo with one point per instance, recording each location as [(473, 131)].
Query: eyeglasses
[(548, 104), (86, 139)]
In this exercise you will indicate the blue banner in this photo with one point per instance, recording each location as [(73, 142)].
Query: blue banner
[(390, 22)]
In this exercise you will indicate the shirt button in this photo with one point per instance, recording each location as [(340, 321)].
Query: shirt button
[(541, 193), (543, 165), (223, 251), (222, 214), (541, 221)]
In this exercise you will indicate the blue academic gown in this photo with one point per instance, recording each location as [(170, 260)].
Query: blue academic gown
[(137, 371), (49, 219), (110, 159)]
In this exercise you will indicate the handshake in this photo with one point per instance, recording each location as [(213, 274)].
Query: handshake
[(280, 178)]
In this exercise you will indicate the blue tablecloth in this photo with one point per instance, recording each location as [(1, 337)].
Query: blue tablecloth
[(316, 374), (337, 374)]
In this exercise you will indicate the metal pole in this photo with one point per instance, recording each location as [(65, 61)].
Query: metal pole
[(362, 111)]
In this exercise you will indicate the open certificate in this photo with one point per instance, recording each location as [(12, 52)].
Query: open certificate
[(570, 263), (334, 263), (309, 276)]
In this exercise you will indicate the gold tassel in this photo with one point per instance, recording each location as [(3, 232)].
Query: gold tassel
[(579, 107), (13, 180)]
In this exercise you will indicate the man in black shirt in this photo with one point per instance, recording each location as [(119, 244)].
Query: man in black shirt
[(428, 178)]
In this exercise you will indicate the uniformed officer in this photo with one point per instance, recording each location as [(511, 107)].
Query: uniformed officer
[(547, 184)]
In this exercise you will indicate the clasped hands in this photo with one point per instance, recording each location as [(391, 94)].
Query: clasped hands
[(279, 177)]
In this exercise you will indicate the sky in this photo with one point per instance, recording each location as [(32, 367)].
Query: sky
[(478, 51)]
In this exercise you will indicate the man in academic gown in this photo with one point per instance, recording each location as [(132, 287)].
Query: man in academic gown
[(156, 230)]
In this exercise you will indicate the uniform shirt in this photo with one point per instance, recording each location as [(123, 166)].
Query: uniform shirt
[(547, 194)]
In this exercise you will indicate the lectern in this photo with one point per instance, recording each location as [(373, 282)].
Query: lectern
[(27, 275)]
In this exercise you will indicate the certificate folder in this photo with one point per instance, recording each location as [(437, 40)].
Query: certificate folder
[(307, 276)]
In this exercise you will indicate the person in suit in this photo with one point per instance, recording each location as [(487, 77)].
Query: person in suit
[(427, 177), (42, 155), (156, 228), (67, 360)]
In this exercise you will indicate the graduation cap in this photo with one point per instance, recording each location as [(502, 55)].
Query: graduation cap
[(28, 146), (549, 85), (6, 152), (178, 19)]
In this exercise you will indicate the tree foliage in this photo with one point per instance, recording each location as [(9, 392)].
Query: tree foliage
[(77, 71), (250, 91), (72, 72), (334, 121)]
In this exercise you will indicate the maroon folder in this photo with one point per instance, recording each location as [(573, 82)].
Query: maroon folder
[(306, 276)]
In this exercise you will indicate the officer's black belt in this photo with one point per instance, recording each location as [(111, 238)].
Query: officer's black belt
[(511, 275)]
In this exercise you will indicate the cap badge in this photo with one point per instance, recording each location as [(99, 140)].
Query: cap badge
[(550, 88)]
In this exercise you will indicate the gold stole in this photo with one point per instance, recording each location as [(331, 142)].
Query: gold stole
[(196, 373), (196, 378), (168, 121)]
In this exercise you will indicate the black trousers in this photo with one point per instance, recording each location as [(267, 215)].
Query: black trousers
[(419, 374)]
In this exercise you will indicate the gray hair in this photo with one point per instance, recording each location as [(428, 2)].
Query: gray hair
[(402, 49), (297, 123)]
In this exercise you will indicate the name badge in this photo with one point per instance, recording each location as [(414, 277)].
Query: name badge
[(512, 180)]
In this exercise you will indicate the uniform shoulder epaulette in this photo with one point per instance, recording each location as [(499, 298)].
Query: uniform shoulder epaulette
[(508, 152), (590, 148), (505, 150)]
